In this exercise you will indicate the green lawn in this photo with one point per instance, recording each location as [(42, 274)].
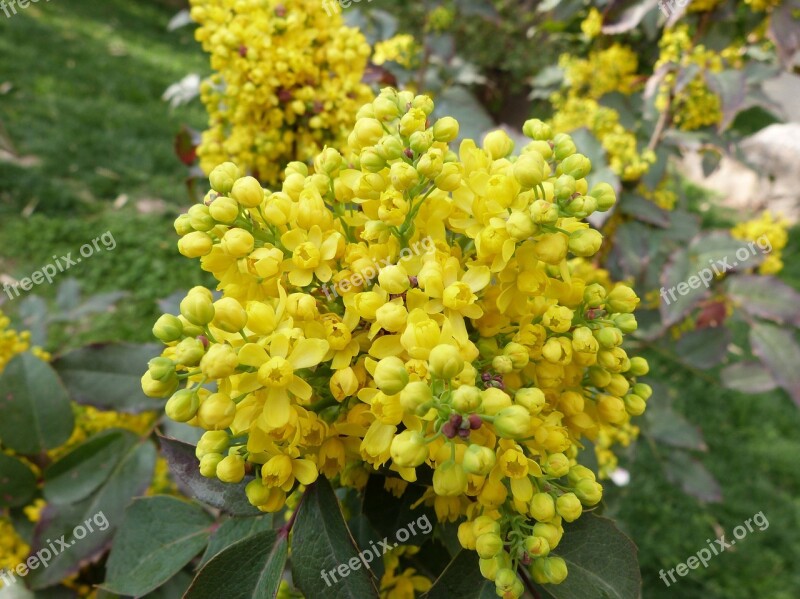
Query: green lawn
[(80, 87)]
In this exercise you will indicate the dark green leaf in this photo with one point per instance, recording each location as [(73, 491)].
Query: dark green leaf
[(37, 415), (321, 542), (703, 348), (766, 297), (104, 508), (109, 376), (157, 538), (76, 475), (644, 210), (748, 377), (173, 588), (778, 350), (677, 298), (249, 569), (232, 531), (185, 467), (695, 480), (462, 578), (458, 102), (601, 562), (388, 514), (17, 482), (667, 426)]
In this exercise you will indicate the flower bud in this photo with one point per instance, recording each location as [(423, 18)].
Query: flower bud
[(224, 210), (536, 129), (544, 213), (569, 507), (430, 164), (478, 460), (578, 472), (414, 120), (449, 179), (551, 248), (505, 580), (159, 389), (168, 328), (257, 492), (182, 406), (408, 449), (512, 422), (642, 390), (556, 465), (195, 245), (248, 192), (329, 161), (502, 364), (594, 295), (543, 507), (552, 534), (189, 352), (520, 225), (197, 309), (414, 395), (371, 160), (229, 315), (216, 412), (223, 177), (445, 129), (343, 384), (391, 375), (200, 218), (219, 362), (563, 146), (537, 546), (541, 147), (420, 141), (466, 535), (393, 279), (585, 242), (611, 409), (625, 322), (449, 479), (423, 103), (549, 570), (183, 225), (609, 337), (576, 166), (237, 243), (498, 144), (208, 464), (634, 405), (466, 399), (622, 299), (403, 176), (212, 442), (605, 195), (161, 369), (588, 492), (488, 545), (639, 366), (390, 148), (231, 469), (529, 170), (445, 361), (531, 398)]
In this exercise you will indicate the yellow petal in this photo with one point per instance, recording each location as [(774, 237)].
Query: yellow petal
[(308, 352), (292, 238), (477, 277), (300, 388), (305, 471)]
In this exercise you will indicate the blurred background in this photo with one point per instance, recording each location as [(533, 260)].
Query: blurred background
[(91, 141)]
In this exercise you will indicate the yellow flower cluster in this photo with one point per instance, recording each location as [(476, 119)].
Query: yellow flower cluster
[(287, 82), (592, 25), (440, 19), (703, 5), (696, 105), (402, 49), (14, 342), (762, 5), (573, 112), (13, 549), (661, 196), (402, 584), (407, 307), (769, 226), (604, 71)]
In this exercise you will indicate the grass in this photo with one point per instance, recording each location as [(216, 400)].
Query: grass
[(82, 83), (86, 80)]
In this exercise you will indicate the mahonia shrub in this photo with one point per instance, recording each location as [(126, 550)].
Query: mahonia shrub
[(407, 308), (287, 82)]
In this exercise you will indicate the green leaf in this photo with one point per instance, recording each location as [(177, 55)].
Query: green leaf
[(462, 578), (131, 477), (388, 514), (249, 569), (601, 562), (232, 531), (667, 426), (321, 542), (37, 415), (158, 537), (703, 348), (458, 102), (76, 475), (778, 350), (173, 588), (17, 482), (675, 305), (748, 377), (642, 209), (766, 297), (718, 249), (692, 476), (108, 376), (185, 467)]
